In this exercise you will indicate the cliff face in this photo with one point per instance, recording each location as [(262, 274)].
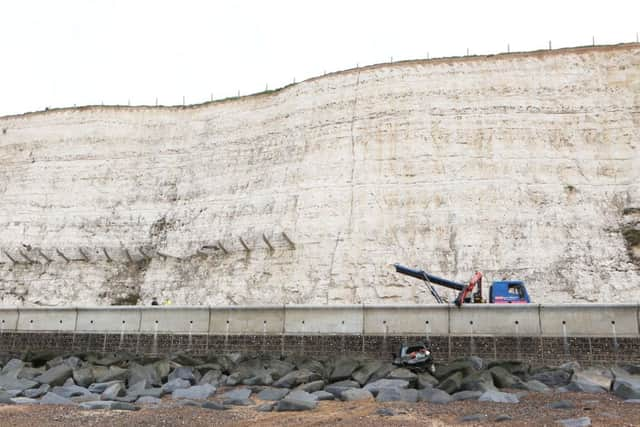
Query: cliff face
[(522, 166)]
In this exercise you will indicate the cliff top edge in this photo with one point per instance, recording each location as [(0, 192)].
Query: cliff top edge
[(541, 53)]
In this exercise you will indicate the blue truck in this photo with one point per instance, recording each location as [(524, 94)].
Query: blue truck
[(500, 292)]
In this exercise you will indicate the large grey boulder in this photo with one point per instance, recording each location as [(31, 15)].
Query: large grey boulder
[(571, 366), (56, 375), (100, 387), (346, 383), (397, 394), (148, 400), (498, 397), (516, 367), (343, 368), (466, 395), (30, 373), (536, 386), (109, 404), (234, 379), (36, 392), (553, 377), (24, 401), (403, 374), (206, 367), (211, 377), (301, 395), (382, 372), (582, 387), (446, 370), (354, 394), (84, 377), (279, 368), (13, 366), (295, 378), (478, 381), (5, 398), (366, 370), (85, 398), (143, 373), (136, 388), (627, 387), (113, 373), (237, 393), (56, 399), (323, 395), (113, 391), (312, 365), (237, 397), (426, 380), (253, 369), (434, 395), (175, 384), (476, 362), (183, 372), (273, 394), (337, 388), (632, 369), (126, 398), (9, 381), (295, 405), (376, 386), (452, 383), (505, 379), (163, 368), (591, 379), (312, 386), (109, 359), (72, 361), (184, 359), (151, 392), (58, 360), (197, 392), (263, 378), (70, 391)]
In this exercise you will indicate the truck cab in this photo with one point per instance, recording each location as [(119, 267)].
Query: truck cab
[(508, 292)]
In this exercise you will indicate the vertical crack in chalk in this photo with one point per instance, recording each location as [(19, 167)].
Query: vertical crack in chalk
[(333, 259), (353, 150)]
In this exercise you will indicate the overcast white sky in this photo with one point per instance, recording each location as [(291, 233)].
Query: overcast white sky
[(65, 52)]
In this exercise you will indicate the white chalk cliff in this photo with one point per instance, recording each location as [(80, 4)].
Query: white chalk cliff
[(520, 165)]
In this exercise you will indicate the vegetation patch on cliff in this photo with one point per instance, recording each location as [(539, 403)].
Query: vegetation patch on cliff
[(124, 287), (632, 240)]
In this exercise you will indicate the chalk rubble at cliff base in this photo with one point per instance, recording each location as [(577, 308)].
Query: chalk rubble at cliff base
[(122, 381)]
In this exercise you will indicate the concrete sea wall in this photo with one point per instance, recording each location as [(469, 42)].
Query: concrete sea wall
[(520, 165), (590, 333)]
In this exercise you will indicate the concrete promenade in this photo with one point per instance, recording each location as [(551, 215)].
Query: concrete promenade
[(546, 320), (541, 334)]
